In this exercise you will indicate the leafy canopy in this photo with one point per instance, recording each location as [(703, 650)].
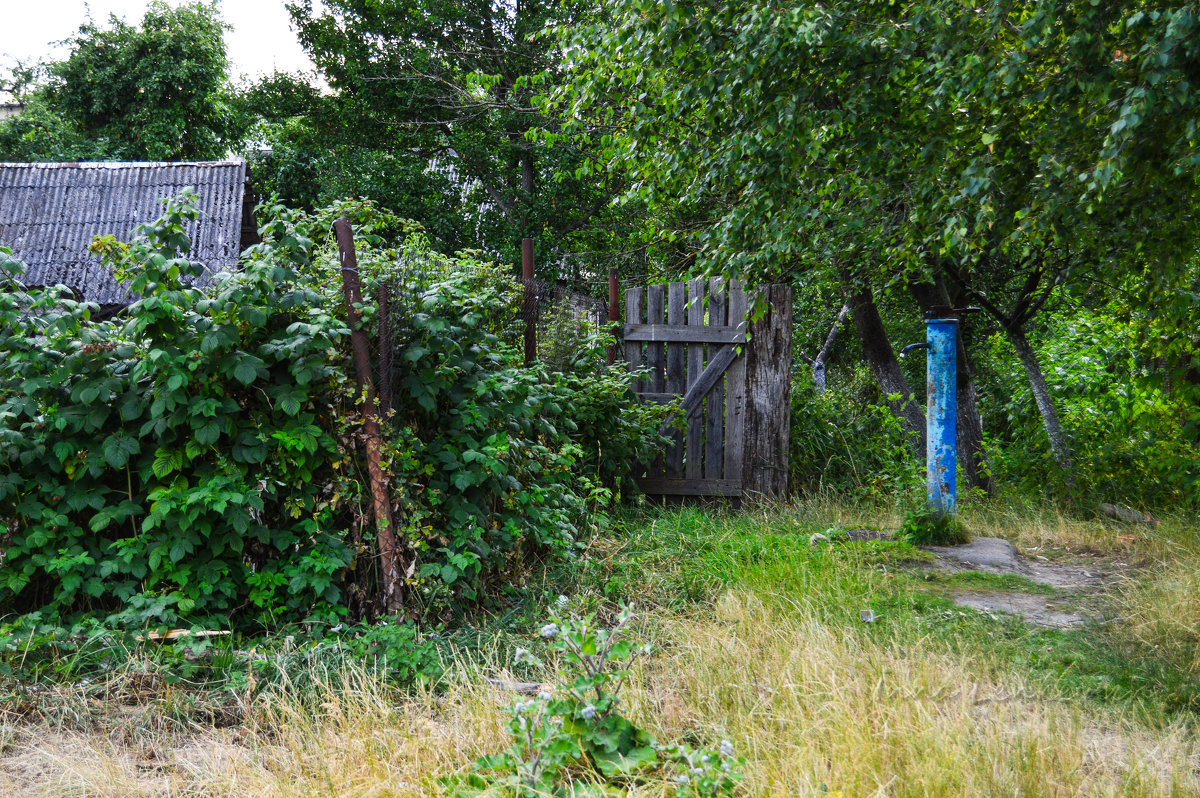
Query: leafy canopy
[(432, 113), (158, 91), (806, 133)]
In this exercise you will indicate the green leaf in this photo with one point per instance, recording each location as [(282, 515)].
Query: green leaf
[(167, 461), (290, 403), (119, 448), (613, 763), (246, 369), (207, 431)]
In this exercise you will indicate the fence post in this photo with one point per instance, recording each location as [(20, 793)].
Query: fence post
[(385, 351), (391, 574), (768, 397), (614, 314), (530, 304)]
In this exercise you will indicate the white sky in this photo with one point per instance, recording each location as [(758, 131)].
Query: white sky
[(261, 40)]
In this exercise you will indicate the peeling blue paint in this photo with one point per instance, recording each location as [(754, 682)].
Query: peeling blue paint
[(941, 415)]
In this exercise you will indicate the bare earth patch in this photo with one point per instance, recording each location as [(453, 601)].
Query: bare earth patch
[(1036, 609), (1000, 557)]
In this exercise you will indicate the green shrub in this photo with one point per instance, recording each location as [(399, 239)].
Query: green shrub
[(195, 462), (928, 527), (172, 464), (491, 458), (1132, 440), (847, 440)]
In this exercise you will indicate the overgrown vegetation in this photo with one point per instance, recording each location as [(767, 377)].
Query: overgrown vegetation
[(197, 463), (756, 637), (193, 463), (579, 741)]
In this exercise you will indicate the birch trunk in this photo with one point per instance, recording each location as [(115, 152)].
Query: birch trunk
[(1045, 404)]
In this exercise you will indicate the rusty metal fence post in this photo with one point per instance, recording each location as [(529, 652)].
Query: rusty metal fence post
[(391, 573), (530, 303), (614, 314)]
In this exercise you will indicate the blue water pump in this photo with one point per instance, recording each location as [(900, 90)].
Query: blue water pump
[(941, 412)]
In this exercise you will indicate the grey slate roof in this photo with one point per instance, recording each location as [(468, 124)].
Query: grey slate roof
[(50, 212)]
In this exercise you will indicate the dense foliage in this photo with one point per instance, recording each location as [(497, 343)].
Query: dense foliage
[(432, 113), (491, 459), (1133, 432), (194, 461), (1036, 158), (1008, 154), (154, 92), (170, 465)]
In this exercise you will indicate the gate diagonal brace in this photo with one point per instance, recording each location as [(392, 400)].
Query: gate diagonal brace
[(700, 388)]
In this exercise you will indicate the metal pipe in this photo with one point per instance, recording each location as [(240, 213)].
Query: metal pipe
[(529, 306), (614, 313), (941, 456), (390, 553)]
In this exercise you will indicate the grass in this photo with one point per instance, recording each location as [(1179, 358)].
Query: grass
[(978, 580), (757, 638)]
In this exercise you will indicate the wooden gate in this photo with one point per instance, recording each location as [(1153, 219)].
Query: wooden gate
[(733, 377)]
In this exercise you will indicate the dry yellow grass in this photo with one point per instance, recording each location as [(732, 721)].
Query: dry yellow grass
[(1162, 612), (818, 704), (352, 736), (816, 710)]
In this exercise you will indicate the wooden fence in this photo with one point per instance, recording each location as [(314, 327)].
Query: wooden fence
[(733, 378)]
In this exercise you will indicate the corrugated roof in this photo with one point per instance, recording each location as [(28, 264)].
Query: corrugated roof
[(50, 212)]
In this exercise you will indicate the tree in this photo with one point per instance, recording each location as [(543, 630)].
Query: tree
[(1003, 147), (22, 77), (155, 92), (432, 107)]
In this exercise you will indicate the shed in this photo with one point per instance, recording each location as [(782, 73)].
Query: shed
[(50, 212)]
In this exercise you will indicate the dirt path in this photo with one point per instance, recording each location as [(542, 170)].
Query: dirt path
[(1072, 582)]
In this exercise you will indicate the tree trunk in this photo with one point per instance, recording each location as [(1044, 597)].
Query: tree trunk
[(818, 365), (528, 187), (972, 457), (886, 368), (528, 175), (767, 428), (1045, 404)]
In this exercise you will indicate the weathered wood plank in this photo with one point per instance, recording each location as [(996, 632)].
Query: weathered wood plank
[(633, 315), (694, 448), (768, 365), (737, 402), (735, 392), (685, 335), (656, 359), (689, 487), (655, 306), (711, 375), (676, 372), (714, 415), (657, 398)]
